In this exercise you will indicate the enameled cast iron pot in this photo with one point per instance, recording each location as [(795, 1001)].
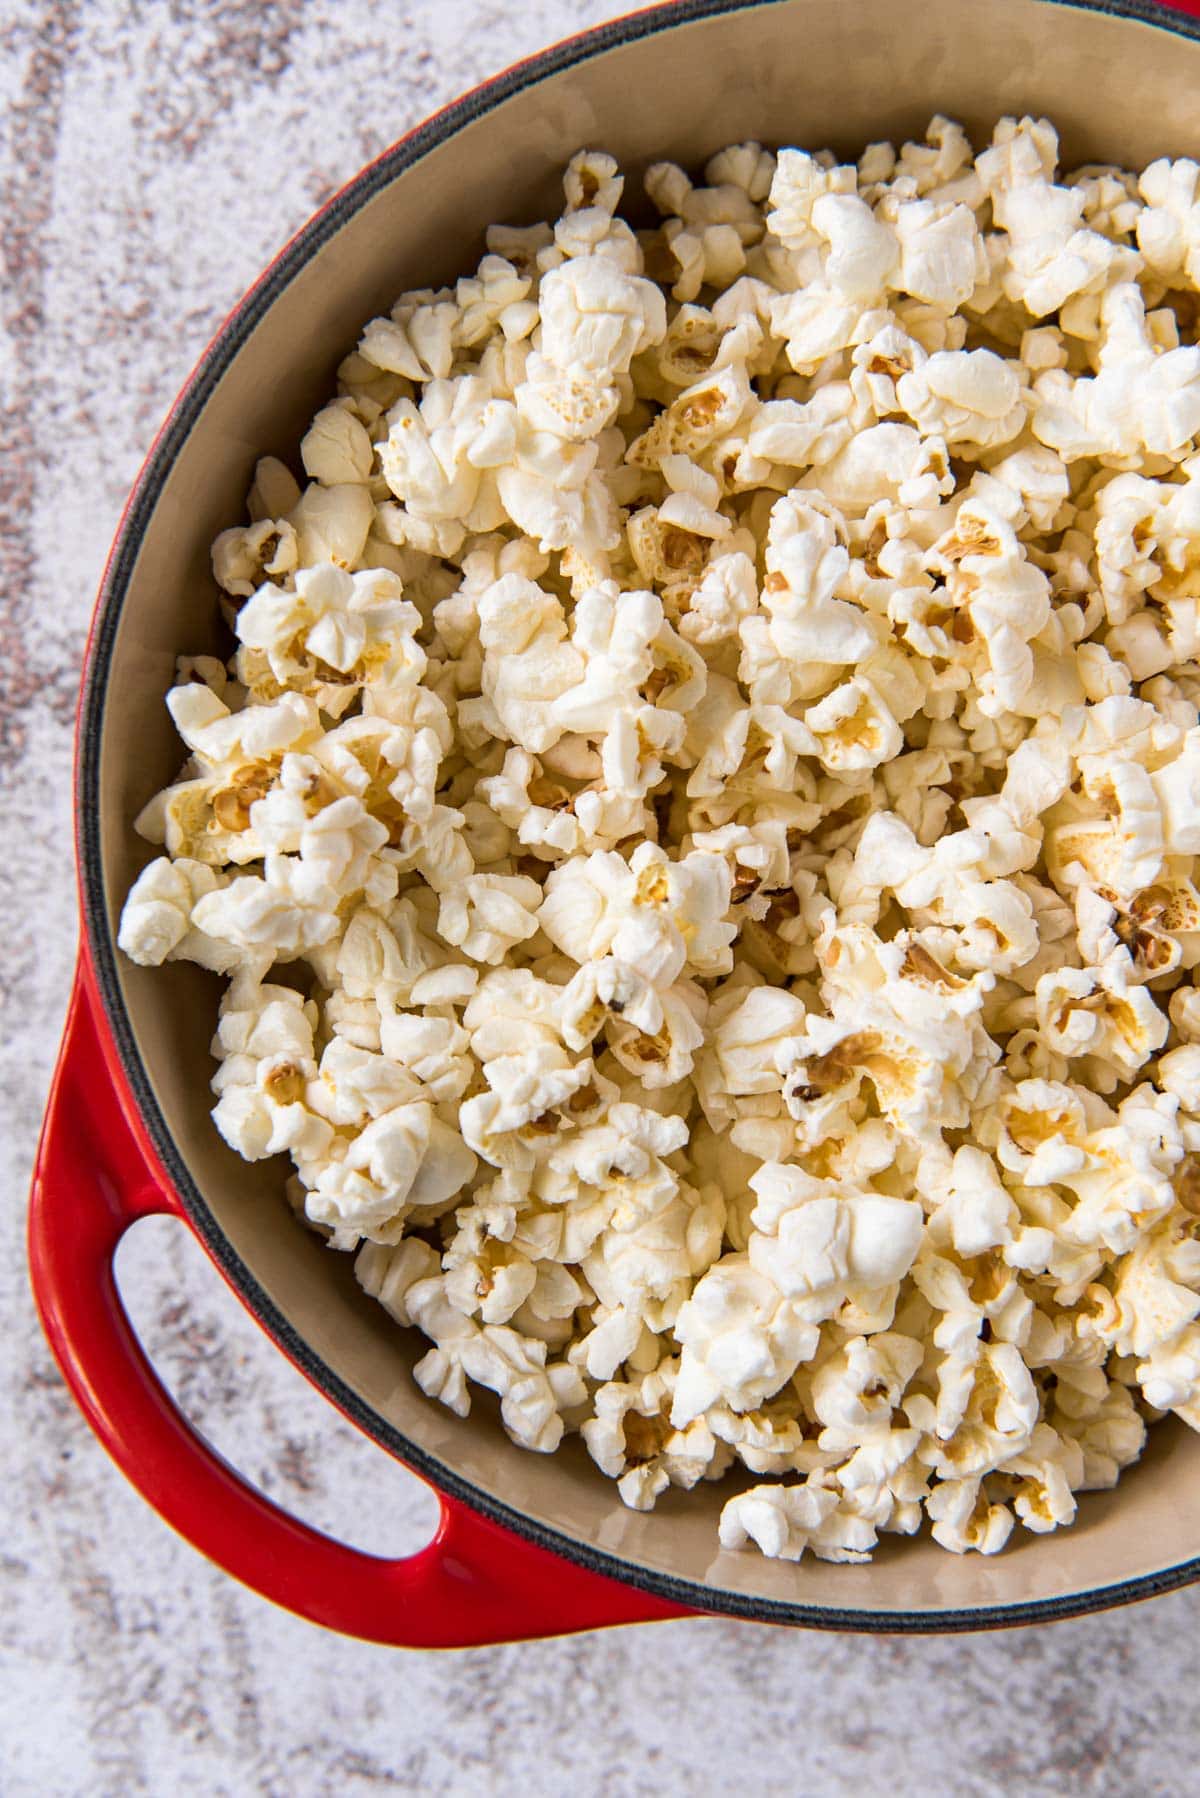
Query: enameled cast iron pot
[(528, 1545)]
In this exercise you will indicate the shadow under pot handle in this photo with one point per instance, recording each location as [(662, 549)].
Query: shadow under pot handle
[(474, 1583)]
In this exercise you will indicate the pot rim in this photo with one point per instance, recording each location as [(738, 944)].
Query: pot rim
[(100, 939)]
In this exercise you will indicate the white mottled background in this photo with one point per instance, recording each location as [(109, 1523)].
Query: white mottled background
[(154, 155)]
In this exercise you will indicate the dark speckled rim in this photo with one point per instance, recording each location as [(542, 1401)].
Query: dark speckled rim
[(100, 935)]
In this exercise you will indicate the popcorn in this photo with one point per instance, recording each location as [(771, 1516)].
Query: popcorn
[(530, 1074), (1049, 256), (404, 1160), (289, 909), (663, 1055), (332, 524), (627, 649), (243, 557), (965, 1518), (527, 660), (388, 1274), (804, 623), (597, 318), (157, 923), (337, 448), (853, 728), (1140, 401), (658, 1235), (631, 1439), (355, 1086), (941, 254), (489, 915), (657, 915), (1168, 227), (1097, 1012), (966, 397), (334, 631), (889, 462), (438, 459), (712, 752), (217, 735), (818, 1242), (858, 1388), (741, 1340), (784, 1521), (538, 809), (986, 1414), (754, 1034), (1044, 1478), (979, 1214), (264, 1043), (533, 1393), (1007, 600), (702, 414)]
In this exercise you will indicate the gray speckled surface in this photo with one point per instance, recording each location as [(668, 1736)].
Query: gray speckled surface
[(152, 159)]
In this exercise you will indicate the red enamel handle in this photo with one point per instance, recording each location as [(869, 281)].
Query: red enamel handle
[(474, 1583)]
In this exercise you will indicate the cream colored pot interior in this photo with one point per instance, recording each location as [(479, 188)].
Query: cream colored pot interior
[(809, 72)]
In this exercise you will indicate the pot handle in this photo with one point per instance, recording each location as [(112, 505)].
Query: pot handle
[(474, 1583)]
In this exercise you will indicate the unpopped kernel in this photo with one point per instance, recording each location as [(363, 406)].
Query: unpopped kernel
[(714, 745)]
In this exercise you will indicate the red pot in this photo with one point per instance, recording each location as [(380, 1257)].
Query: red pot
[(527, 1545)]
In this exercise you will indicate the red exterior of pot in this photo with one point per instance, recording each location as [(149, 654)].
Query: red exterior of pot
[(96, 1174)]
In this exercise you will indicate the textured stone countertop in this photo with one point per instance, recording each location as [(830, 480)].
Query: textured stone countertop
[(153, 158)]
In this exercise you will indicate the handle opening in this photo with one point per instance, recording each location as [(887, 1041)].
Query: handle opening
[(254, 1408)]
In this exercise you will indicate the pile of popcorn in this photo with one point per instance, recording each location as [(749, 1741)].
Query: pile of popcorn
[(712, 762)]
